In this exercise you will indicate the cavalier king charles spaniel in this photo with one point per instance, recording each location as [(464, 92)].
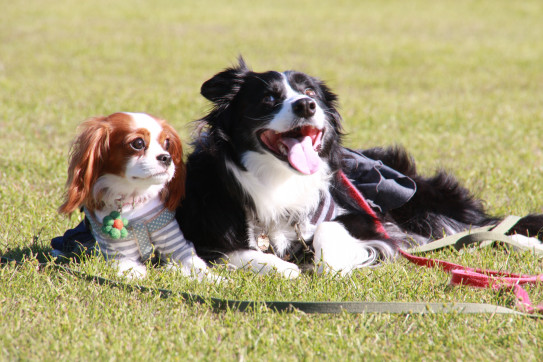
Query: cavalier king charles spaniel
[(127, 174)]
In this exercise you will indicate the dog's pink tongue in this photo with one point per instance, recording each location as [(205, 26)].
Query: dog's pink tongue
[(301, 154)]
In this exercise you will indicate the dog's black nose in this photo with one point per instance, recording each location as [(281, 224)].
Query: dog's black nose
[(304, 107), (165, 159)]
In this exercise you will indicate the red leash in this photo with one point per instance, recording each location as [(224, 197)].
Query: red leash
[(361, 201), (480, 278)]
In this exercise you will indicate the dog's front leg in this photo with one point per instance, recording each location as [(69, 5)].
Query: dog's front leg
[(337, 251), (261, 263)]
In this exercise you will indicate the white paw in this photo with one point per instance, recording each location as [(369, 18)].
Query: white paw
[(532, 243), (337, 251), (130, 269), (288, 270), (261, 263), (194, 267)]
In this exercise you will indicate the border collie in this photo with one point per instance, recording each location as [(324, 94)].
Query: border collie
[(264, 187)]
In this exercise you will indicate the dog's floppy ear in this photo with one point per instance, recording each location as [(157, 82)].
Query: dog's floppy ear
[(87, 158), (332, 101), (224, 86), (176, 187)]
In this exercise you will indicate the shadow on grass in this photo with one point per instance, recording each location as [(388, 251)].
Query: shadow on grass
[(35, 249), (70, 247)]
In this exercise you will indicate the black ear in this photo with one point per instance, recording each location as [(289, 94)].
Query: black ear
[(332, 104), (225, 85), (329, 96)]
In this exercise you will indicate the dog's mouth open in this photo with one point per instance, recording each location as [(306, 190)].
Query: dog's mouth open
[(299, 146)]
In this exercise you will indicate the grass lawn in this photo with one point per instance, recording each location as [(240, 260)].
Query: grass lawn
[(460, 84)]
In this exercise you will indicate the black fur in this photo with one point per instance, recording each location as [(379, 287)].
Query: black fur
[(214, 214), (440, 200)]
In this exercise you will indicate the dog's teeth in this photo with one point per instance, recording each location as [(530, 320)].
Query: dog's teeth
[(283, 149)]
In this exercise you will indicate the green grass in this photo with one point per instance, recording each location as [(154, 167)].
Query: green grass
[(458, 83)]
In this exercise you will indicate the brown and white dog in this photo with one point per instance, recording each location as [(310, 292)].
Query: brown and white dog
[(129, 166)]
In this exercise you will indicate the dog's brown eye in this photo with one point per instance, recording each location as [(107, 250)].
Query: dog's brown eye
[(138, 144), (310, 92)]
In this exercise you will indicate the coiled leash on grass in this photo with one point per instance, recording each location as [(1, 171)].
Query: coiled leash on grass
[(482, 278)]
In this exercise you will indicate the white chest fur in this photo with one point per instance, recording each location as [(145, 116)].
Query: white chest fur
[(282, 197)]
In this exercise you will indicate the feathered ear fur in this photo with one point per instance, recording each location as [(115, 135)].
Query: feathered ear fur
[(86, 161), (176, 187), (224, 86), (331, 98)]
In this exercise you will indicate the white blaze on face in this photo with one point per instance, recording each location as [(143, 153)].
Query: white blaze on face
[(147, 168), (282, 121), (301, 149)]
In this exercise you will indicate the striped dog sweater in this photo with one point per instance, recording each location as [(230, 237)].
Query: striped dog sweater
[(154, 230)]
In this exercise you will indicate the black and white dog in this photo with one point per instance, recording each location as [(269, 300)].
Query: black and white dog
[(264, 183)]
